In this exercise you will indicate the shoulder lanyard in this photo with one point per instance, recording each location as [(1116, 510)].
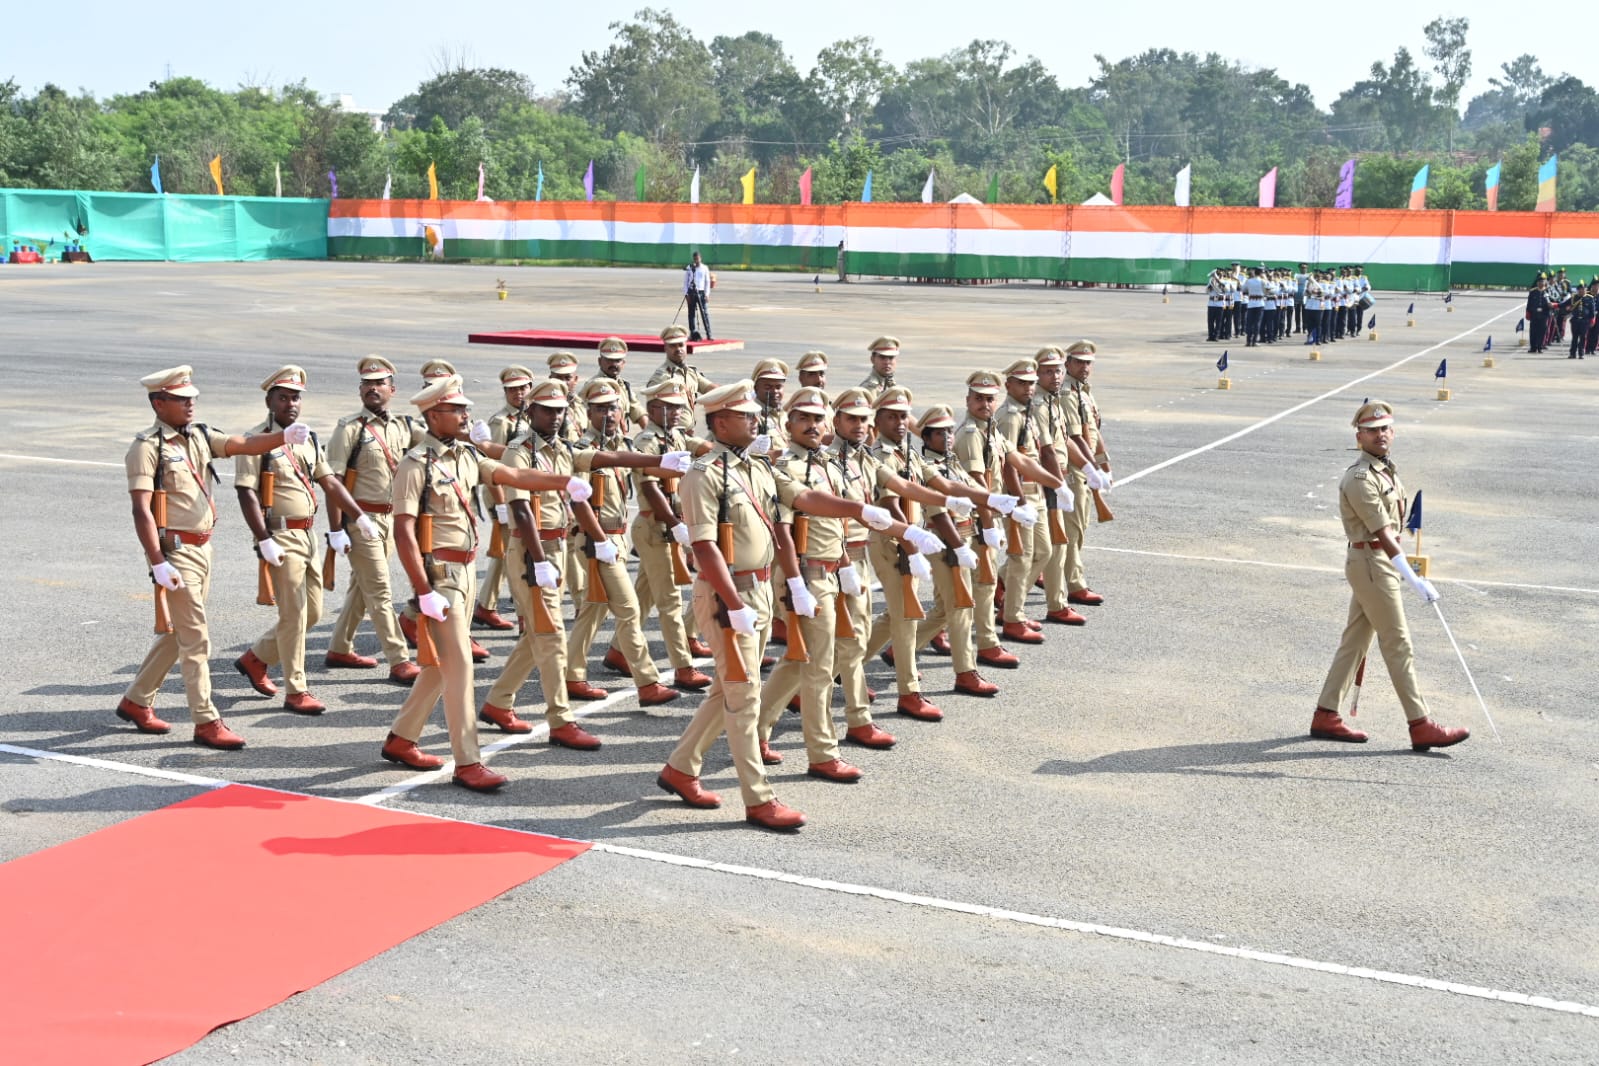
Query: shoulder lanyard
[(388, 456), (727, 472)]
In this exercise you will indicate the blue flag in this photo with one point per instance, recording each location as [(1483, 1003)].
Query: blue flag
[(1490, 345), (1443, 369), (333, 183), (155, 175), (1521, 325), (1413, 523), (866, 193), (1412, 310), (1449, 297), (1221, 364), (538, 191), (1373, 323)]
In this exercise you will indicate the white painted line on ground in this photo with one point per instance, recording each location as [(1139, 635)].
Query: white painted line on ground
[(1279, 416), (55, 459), (977, 910)]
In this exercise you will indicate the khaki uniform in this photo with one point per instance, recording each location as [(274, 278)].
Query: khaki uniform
[(631, 410), (179, 462), (506, 425), (1028, 548), (862, 483), (886, 552), (620, 599), (772, 424), (1081, 416), (372, 445), (944, 614), (981, 451), (438, 479), (753, 501), (657, 587), (875, 383), (1050, 410), (297, 584), (693, 381), (546, 651), (1371, 497)]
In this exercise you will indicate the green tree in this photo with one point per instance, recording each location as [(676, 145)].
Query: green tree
[(1446, 47), (849, 77), (655, 81), (457, 94)]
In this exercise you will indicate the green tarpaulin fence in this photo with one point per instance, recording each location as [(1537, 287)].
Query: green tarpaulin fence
[(147, 226)]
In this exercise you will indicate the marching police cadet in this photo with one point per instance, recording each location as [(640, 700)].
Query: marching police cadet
[(505, 425), (659, 535), (910, 481), (173, 516), (1029, 548), (770, 375), (1240, 305), (732, 505), (1371, 503), (603, 542), (437, 541), (436, 369), (1301, 284), (1083, 422), (612, 359), (563, 368), (1215, 304), (1582, 315), (363, 453), (885, 358), (282, 527), (1538, 307), (542, 523), (1062, 503), (812, 369), (955, 566), (674, 366)]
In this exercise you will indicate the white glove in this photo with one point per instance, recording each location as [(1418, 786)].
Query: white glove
[(367, 528), (959, 506), (994, 537), (676, 462), (876, 517), (434, 605), (1110, 480), (849, 582), (339, 541), (680, 534), (1026, 515), (761, 445), (743, 620), (998, 501), (919, 566), (502, 513), (1096, 478), (545, 576), (605, 551), (166, 575), (270, 551), (926, 542), (578, 489), (1422, 586), (480, 432), (1064, 501), (965, 558), (298, 433), (804, 602)]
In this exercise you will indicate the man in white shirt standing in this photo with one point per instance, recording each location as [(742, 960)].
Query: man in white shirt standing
[(697, 288)]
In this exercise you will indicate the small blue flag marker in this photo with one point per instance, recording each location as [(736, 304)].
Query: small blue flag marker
[(1221, 364), (1412, 310), (1413, 523), (1373, 323), (1490, 345), (1521, 325), (1443, 369)]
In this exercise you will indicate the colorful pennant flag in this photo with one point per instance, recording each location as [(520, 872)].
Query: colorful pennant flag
[(1413, 523), (1546, 184), (1443, 369), (277, 179), (538, 190), (155, 176), (927, 189), (640, 176), (588, 182), (388, 185), (1268, 188), (1491, 184), (866, 191), (748, 182), (1118, 178), (480, 195), (1185, 179), (1418, 188), (1346, 186), (433, 181), (333, 184), (1052, 183), (805, 187), (1221, 364), (216, 171), (694, 187), (993, 187)]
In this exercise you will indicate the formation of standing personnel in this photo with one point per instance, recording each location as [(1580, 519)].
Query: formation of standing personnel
[(1262, 305)]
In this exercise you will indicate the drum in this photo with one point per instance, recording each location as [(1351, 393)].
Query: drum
[(1366, 300)]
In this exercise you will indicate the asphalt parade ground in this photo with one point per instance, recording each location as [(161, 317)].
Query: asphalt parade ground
[(1133, 854)]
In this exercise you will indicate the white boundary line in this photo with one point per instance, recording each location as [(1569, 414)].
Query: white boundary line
[(54, 459), (1263, 423), (976, 910)]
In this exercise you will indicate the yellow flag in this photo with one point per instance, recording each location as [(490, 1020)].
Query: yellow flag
[(748, 181), (1051, 185), (433, 182), (216, 172)]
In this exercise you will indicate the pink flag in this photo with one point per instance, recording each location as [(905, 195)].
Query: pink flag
[(1117, 177), (1268, 189), (480, 181), (805, 187)]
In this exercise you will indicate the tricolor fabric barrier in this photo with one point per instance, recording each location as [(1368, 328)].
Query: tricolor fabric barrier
[(1405, 250), (150, 226)]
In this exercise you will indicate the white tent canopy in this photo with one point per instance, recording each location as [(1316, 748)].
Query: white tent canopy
[(1099, 199), (966, 198)]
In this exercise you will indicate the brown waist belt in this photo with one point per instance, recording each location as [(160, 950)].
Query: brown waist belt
[(816, 570), (827, 565), (174, 537), (856, 551), (964, 528), (1367, 544), (376, 508), (743, 580), (614, 532), (290, 523), (453, 555)]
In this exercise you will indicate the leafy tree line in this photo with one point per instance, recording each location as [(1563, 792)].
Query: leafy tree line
[(658, 99)]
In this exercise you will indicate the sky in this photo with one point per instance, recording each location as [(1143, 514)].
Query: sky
[(379, 52)]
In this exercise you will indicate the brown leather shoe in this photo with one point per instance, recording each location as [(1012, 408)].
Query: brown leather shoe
[(690, 678), (582, 690), (408, 629), (1034, 625), (997, 656), (143, 718), (940, 644), (1329, 725), (397, 749), (912, 705), (655, 694), (686, 788), (769, 755), (504, 718), (794, 704), (869, 736), (888, 655), (480, 654), (405, 673), (779, 634), (255, 671), (768, 661), (1021, 633), (773, 815), (571, 735), (478, 778), (335, 660), (1426, 733), (214, 734), (303, 703), (616, 664), (698, 648), (489, 618), (1066, 617), (1087, 597), (972, 683), (835, 770)]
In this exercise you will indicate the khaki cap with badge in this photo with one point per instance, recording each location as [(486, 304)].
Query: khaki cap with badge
[(853, 402), (599, 391), (884, 346), (674, 333), (1050, 355), (374, 368), (437, 368), (812, 360), (667, 390), (938, 416), (807, 399), (739, 396), (1373, 415), (613, 347), (561, 361), (1082, 351), (771, 368), (286, 377), (985, 383), (894, 398), (513, 376), (174, 381), (551, 392), (442, 391), (1022, 370)]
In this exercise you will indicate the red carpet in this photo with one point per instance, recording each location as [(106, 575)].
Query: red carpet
[(558, 338), (113, 948)]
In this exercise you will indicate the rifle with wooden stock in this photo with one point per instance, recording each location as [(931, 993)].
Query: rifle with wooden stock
[(736, 673), (158, 511), (596, 501), (909, 603), (263, 570), (797, 651), (680, 574), (543, 620), (427, 652), (330, 558)]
